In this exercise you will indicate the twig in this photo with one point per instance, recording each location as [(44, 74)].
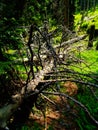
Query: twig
[(92, 91), (77, 81), (66, 70), (74, 100), (49, 100), (31, 52), (71, 41)]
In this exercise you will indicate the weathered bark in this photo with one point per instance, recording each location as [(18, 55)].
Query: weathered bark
[(22, 103), (7, 110), (71, 41), (68, 13), (22, 112), (43, 55)]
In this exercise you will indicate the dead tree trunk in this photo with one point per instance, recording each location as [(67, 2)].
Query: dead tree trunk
[(76, 39), (22, 103), (91, 33), (23, 111)]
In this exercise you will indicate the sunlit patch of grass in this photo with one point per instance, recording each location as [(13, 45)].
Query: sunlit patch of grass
[(77, 20), (90, 62), (88, 66), (91, 58)]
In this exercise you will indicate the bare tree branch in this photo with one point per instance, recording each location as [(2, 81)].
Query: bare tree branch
[(71, 41), (74, 100)]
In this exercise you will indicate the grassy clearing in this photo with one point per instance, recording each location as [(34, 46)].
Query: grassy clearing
[(90, 62)]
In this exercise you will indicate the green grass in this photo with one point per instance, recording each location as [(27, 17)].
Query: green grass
[(90, 65), (91, 58), (90, 62), (83, 120)]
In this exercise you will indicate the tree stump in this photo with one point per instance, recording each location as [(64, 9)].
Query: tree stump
[(91, 32)]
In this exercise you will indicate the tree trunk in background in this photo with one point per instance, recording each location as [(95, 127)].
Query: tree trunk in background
[(97, 46), (71, 14), (65, 12), (94, 4), (68, 13), (15, 8)]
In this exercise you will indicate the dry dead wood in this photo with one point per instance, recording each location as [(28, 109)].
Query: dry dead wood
[(43, 54), (7, 111), (76, 39)]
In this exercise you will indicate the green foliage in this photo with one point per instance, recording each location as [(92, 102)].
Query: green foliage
[(90, 56), (81, 122), (10, 43), (36, 11), (4, 66), (10, 37), (91, 17), (88, 66), (36, 126), (25, 128), (90, 61), (50, 128), (77, 19)]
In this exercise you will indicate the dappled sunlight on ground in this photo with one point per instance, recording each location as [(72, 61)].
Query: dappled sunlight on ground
[(59, 117)]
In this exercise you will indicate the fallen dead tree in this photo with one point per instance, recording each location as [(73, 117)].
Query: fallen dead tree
[(71, 41), (44, 54), (21, 99), (7, 110), (21, 104)]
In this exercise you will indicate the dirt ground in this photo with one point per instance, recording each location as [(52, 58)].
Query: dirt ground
[(57, 114)]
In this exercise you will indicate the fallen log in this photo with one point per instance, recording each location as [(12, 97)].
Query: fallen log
[(7, 110), (43, 54), (21, 101), (71, 41)]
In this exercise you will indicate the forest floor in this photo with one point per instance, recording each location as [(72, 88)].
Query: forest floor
[(58, 116)]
